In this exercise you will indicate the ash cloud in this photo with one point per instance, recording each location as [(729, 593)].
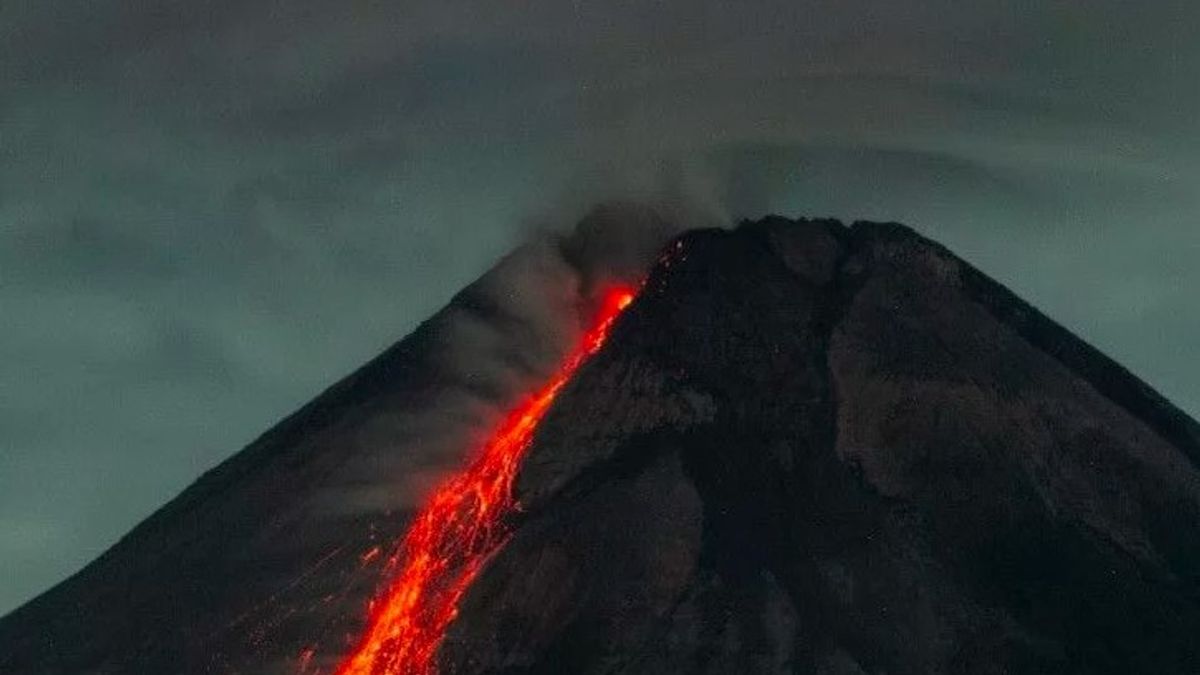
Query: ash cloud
[(522, 314), (500, 338)]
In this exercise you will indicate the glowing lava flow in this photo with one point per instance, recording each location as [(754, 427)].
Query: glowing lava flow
[(458, 529)]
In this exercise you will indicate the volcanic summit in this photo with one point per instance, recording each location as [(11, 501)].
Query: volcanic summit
[(792, 446)]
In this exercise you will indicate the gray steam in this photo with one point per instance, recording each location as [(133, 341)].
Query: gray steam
[(498, 339), (515, 322)]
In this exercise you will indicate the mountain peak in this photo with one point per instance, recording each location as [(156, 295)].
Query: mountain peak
[(805, 447)]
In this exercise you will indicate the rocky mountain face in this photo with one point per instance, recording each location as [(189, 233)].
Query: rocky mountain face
[(805, 448)]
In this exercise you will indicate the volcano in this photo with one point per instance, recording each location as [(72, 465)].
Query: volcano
[(792, 446)]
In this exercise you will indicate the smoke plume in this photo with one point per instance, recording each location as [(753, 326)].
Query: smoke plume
[(502, 335)]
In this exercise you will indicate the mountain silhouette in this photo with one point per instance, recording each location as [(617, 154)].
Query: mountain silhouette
[(804, 447)]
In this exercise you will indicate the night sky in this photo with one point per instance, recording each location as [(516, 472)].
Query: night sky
[(209, 211)]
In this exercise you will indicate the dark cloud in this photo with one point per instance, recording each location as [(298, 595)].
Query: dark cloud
[(209, 211)]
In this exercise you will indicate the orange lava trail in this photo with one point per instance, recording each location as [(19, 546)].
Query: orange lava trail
[(458, 529)]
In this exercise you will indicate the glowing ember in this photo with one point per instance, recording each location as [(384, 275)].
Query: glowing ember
[(458, 529)]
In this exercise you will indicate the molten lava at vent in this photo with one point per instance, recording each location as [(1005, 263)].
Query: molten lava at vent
[(460, 527)]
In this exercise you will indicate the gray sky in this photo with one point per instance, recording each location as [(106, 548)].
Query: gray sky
[(211, 210)]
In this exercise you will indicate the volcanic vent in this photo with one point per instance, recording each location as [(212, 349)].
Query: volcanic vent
[(802, 448)]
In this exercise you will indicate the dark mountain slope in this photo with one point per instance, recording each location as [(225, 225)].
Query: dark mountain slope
[(262, 558), (806, 448), (812, 449)]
